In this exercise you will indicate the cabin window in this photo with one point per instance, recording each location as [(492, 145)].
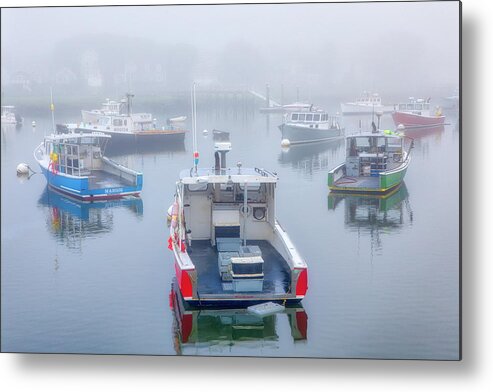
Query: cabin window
[(358, 145), (199, 187), (117, 122), (251, 187), (309, 117), (316, 117), (380, 144), (125, 122), (294, 117), (410, 106), (419, 106), (87, 140), (256, 192), (395, 143), (302, 117)]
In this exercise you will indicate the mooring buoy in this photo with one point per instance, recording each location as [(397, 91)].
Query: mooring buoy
[(285, 143), (23, 169)]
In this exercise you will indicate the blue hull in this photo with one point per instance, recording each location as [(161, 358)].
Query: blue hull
[(80, 189)]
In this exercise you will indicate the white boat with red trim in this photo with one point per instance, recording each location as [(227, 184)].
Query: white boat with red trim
[(228, 246)]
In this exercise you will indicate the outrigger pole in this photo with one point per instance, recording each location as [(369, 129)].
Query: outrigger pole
[(194, 129), (52, 108)]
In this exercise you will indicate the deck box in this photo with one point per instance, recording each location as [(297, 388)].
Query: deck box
[(224, 264), (228, 244), (248, 266), (250, 250)]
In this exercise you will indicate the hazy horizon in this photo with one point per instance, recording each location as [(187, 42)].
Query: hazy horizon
[(347, 47)]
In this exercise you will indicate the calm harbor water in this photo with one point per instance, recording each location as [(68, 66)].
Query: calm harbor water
[(383, 274)]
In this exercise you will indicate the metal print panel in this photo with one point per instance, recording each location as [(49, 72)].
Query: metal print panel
[(276, 180)]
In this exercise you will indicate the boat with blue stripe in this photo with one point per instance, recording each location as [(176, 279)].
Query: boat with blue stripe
[(74, 164)]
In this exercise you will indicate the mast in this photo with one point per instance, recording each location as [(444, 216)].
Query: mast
[(194, 129), (245, 209), (52, 108), (129, 103)]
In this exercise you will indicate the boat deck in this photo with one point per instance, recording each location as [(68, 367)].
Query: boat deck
[(277, 277), (99, 179)]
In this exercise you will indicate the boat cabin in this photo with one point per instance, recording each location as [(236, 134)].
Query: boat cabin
[(414, 105), (372, 153), (315, 119), (117, 117), (112, 108), (369, 99), (76, 154)]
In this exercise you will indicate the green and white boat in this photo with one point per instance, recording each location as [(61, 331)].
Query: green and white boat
[(376, 162)]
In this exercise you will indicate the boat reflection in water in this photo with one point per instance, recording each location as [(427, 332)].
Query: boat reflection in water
[(71, 220), (374, 215), (310, 158), (212, 331), (417, 133)]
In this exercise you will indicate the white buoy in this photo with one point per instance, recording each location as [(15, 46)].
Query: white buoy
[(401, 127), (23, 169), (205, 132), (285, 143), (33, 123)]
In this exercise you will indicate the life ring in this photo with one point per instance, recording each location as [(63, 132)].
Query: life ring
[(248, 210)]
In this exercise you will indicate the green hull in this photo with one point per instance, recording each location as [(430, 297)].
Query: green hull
[(391, 180), (386, 181)]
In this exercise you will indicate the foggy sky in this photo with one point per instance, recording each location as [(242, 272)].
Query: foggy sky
[(425, 36)]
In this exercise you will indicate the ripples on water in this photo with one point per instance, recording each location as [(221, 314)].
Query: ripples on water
[(383, 279)]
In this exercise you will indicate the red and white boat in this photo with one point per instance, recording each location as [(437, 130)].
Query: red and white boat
[(417, 113)]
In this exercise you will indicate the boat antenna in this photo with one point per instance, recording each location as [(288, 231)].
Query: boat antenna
[(372, 112), (52, 108), (194, 129), (129, 103)]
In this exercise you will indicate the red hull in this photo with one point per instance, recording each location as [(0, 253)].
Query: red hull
[(416, 120)]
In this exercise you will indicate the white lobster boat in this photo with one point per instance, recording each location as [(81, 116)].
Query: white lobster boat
[(9, 116), (366, 104), (228, 247), (118, 120)]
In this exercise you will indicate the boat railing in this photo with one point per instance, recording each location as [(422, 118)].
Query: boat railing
[(120, 170), (38, 152), (265, 173)]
